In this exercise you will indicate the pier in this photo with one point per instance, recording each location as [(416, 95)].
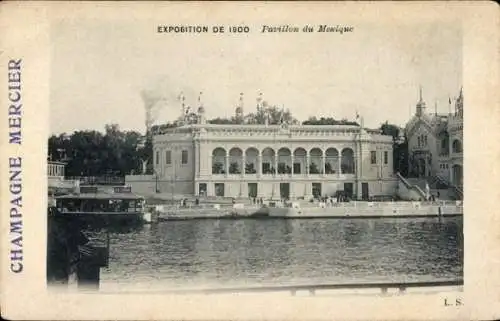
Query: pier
[(382, 287)]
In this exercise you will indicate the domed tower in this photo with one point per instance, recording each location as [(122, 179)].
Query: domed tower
[(201, 111), (420, 105), (239, 110)]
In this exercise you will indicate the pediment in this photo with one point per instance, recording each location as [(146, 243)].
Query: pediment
[(417, 124)]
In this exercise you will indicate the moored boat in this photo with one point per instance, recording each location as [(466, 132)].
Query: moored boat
[(102, 208)]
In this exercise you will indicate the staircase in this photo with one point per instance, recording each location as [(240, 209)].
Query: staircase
[(420, 182), (411, 185), (437, 185)]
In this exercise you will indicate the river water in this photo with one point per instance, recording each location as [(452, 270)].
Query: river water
[(218, 253)]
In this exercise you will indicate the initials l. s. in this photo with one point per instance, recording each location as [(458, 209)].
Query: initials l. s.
[(458, 302)]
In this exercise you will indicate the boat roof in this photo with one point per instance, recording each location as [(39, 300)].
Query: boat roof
[(101, 196)]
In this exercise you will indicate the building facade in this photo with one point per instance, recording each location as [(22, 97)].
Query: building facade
[(56, 180), (435, 143), (273, 161)]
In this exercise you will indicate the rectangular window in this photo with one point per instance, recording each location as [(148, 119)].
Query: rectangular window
[(157, 161), (316, 190), (219, 189), (184, 157), (373, 157), (296, 168), (252, 190), (168, 157), (202, 189), (386, 157)]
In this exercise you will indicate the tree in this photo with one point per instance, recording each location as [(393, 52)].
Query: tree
[(313, 169), (234, 168), (328, 121), (390, 130), (329, 169), (250, 168), (91, 153), (399, 148), (223, 121)]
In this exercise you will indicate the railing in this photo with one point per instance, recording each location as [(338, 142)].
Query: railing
[(99, 180), (312, 288), (456, 188), (442, 180), (410, 186), (459, 191), (368, 204)]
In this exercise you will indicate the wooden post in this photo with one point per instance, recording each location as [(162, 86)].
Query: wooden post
[(88, 275)]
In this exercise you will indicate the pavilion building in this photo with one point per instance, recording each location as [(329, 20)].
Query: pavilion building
[(272, 161)]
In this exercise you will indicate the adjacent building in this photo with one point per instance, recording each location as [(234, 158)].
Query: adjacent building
[(435, 142), (56, 182)]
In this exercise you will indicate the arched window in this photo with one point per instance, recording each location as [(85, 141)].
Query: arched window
[(347, 161), (456, 147), (219, 161)]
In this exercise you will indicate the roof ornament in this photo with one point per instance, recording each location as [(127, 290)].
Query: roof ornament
[(182, 99), (199, 99), (259, 102)]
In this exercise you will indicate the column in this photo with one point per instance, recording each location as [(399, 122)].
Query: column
[(339, 165), (210, 189), (227, 165), (276, 163), (308, 161), (259, 164), (244, 164), (323, 162), (206, 162), (196, 160), (293, 159)]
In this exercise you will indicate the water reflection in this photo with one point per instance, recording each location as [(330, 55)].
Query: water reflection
[(288, 251)]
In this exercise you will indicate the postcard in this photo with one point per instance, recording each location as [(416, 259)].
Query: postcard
[(249, 160)]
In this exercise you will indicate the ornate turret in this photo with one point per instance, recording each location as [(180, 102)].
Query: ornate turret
[(459, 104), (239, 109), (182, 117), (201, 111), (259, 102), (420, 105)]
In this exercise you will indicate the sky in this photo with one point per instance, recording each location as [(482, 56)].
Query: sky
[(99, 69)]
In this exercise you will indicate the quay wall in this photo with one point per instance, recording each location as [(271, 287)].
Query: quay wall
[(345, 210), (141, 184), (403, 209), (148, 185), (268, 185)]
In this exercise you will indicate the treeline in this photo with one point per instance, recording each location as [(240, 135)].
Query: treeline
[(119, 153), (271, 115), (92, 153)]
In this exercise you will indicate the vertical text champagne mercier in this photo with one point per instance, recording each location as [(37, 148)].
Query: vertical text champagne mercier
[(15, 169)]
